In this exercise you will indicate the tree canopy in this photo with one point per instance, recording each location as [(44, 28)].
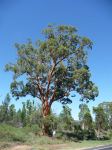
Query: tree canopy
[(53, 67)]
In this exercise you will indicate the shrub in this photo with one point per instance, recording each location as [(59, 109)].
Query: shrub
[(35, 129), (89, 134), (70, 136), (104, 136), (9, 133)]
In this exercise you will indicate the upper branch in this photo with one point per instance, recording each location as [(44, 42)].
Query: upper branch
[(49, 79)]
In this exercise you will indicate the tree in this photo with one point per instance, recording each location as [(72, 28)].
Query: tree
[(82, 114), (65, 119), (89, 132), (12, 113), (4, 109), (88, 121), (110, 115), (101, 121), (107, 107), (18, 118), (24, 115), (53, 68), (30, 110)]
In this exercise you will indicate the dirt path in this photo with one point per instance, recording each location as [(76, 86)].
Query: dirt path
[(19, 147), (42, 147), (58, 147), (48, 147)]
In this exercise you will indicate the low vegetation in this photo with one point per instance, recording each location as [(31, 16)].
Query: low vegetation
[(24, 126), (13, 136)]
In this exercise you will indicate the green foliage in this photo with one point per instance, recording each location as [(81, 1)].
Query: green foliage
[(9, 133), (83, 110), (35, 129), (65, 119), (89, 134), (51, 69), (69, 136), (107, 107), (88, 121), (100, 118), (101, 122), (7, 111), (54, 67), (28, 111), (26, 135), (85, 117), (50, 122), (26, 124)]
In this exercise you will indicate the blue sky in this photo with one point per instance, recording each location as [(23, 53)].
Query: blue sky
[(23, 19)]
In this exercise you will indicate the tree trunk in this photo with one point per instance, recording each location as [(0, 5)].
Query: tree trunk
[(83, 126), (45, 108), (45, 113)]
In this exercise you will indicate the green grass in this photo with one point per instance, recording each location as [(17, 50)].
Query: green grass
[(90, 143)]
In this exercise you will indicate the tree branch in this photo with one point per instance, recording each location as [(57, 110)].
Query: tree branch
[(39, 87), (49, 80), (52, 98)]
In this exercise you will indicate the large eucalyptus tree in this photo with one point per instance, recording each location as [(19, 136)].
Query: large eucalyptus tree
[(53, 68)]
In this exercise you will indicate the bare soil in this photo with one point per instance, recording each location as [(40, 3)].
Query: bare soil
[(46, 147), (19, 147)]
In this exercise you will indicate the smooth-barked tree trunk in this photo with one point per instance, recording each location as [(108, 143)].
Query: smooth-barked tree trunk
[(45, 113)]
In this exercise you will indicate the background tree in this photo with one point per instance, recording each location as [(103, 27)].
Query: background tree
[(88, 121), (107, 107), (12, 114), (66, 120), (4, 109), (82, 114), (110, 115), (23, 115), (53, 68), (18, 119), (89, 131), (101, 121)]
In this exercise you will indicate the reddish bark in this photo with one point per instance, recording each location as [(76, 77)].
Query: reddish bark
[(45, 108), (45, 113)]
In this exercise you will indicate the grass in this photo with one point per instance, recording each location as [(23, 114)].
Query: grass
[(9, 133), (54, 146), (90, 143), (11, 136), (71, 145)]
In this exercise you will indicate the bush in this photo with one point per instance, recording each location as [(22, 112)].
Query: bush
[(79, 134), (89, 134), (110, 134), (69, 136), (104, 136), (9, 133), (35, 129)]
